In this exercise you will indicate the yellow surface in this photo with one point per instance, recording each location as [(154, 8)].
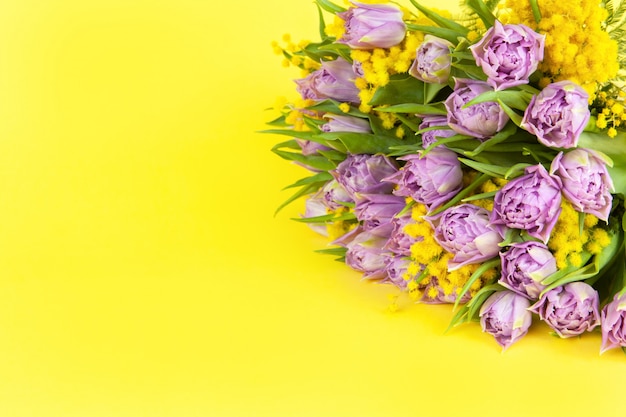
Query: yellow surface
[(142, 272)]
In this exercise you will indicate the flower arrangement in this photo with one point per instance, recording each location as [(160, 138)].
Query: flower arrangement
[(478, 160)]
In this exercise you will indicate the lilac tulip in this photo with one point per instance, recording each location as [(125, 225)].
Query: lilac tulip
[(364, 174), (508, 54), (369, 26), (505, 316), (335, 195), (431, 136), (395, 269), (338, 123), (531, 202), (481, 120), (431, 179), (613, 323), (433, 59), (376, 209), (558, 114), (466, 233), (310, 147), (586, 181), (314, 206), (569, 310), (524, 266), (366, 252), (334, 80), (400, 242)]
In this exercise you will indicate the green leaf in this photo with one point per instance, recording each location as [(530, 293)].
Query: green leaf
[(476, 275), (468, 71), (499, 137), (481, 9), (357, 143), (401, 88), (292, 133), (462, 194), (330, 6), (444, 33), (338, 49), (489, 169), (340, 252), (309, 189), (325, 218), (440, 20), (414, 108), (513, 98), (321, 177), (313, 161)]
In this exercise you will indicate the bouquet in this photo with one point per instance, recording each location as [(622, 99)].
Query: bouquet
[(477, 160)]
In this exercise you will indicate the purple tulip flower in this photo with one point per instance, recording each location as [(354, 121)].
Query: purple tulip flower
[(508, 54), (466, 233), (586, 181), (431, 136), (376, 209), (314, 206), (338, 123), (432, 62), (364, 174), (369, 26), (335, 194), (569, 310), (531, 202), (524, 266), (431, 179), (334, 80), (395, 269), (310, 147), (558, 114), (400, 242), (613, 323), (481, 120), (505, 315), (366, 252)]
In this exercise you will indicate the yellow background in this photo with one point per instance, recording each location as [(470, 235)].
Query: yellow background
[(142, 272)]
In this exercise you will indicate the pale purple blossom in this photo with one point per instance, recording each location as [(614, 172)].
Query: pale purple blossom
[(376, 209), (431, 179), (431, 136), (465, 232), (400, 241), (335, 195), (558, 114), (586, 181), (569, 310), (369, 26), (531, 202), (337, 123), (432, 61), (613, 323), (334, 80), (508, 54), (505, 316), (364, 174), (524, 266), (366, 251), (482, 120)]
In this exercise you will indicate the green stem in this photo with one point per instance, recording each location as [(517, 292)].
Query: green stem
[(536, 12)]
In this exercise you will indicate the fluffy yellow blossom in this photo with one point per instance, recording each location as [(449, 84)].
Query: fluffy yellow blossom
[(567, 243), (577, 48), (437, 281)]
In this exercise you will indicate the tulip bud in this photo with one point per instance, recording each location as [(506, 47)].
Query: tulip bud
[(505, 315)]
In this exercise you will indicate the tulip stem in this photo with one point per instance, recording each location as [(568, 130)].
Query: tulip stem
[(535, 8)]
